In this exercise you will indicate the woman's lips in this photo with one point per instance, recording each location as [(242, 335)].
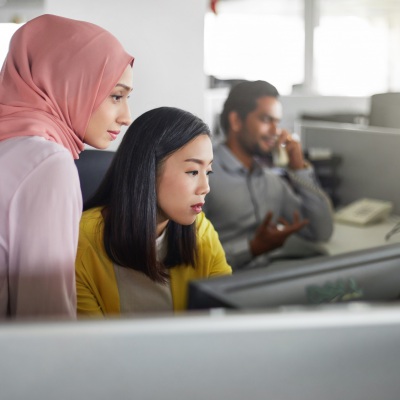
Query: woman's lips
[(113, 134), (197, 207)]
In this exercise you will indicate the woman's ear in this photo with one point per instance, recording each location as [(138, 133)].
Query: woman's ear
[(235, 122)]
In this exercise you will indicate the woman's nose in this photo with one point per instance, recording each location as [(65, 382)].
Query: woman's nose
[(204, 187), (125, 117)]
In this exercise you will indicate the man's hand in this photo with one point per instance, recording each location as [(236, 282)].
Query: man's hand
[(292, 148), (269, 236)]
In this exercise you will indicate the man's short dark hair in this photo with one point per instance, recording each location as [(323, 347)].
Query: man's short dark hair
[(243, 99)]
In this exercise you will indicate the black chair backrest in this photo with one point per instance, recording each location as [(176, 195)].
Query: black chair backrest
[(92, 165)]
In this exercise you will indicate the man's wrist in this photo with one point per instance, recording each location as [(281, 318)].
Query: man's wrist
[(304, 165)]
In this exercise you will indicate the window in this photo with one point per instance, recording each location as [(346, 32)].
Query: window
[(256, 40), (6, 31), (355, 45)]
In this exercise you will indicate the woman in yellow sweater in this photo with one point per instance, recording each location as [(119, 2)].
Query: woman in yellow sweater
[(143, 235)]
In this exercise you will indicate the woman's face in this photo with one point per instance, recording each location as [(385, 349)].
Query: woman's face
[(182, 184), (113, 113)]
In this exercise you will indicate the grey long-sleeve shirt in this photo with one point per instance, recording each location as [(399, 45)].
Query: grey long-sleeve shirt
[(239, 201)]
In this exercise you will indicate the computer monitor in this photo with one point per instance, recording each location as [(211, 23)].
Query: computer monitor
[(371, 275), (349, 351)]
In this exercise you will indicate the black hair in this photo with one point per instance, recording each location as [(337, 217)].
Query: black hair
[(243, 99), (128, 193)]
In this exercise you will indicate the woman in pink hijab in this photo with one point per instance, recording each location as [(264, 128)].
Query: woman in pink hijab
[(63, 83)]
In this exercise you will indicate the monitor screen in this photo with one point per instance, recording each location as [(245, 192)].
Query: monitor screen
[(371, 275)]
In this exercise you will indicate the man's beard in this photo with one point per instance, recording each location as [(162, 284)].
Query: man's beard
[(252, 149), (259, 152)]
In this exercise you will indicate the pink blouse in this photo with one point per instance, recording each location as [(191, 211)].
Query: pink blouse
[(40, 210)]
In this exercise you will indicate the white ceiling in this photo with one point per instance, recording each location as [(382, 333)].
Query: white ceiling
[(331, 7)]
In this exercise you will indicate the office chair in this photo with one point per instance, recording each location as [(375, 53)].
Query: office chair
[(92, 166), (384, 110)]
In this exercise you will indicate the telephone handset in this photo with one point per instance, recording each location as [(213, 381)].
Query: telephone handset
[(279, 153), (364, 211), (280, 157)]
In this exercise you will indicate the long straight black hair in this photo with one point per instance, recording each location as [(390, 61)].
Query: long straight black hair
[(128, 193)]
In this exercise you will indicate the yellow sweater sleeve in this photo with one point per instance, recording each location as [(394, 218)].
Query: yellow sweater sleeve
[(96, 286), (87, 301)]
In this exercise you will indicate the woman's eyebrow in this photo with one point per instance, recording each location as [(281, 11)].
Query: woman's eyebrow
[(128, 88), (197, 161)]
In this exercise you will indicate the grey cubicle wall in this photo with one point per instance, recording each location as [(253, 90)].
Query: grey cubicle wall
[(384, 110), (370, 165)]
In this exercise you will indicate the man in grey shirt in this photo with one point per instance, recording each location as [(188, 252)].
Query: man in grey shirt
[(253, 209)]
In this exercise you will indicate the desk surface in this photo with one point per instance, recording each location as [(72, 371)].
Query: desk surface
[(348, 238)]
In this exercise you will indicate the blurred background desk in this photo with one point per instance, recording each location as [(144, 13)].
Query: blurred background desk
[(345, 239), (348, 238)]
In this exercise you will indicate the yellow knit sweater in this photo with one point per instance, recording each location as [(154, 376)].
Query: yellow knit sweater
[(97, 288)]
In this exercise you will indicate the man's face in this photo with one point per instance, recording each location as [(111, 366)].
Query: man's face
[(259, 132)]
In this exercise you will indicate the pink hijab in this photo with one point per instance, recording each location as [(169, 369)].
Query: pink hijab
[(56, 74)]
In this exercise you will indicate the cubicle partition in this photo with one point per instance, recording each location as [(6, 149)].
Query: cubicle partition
[(370, 158)]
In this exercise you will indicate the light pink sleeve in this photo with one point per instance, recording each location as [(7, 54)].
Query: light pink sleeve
[(44, 227)]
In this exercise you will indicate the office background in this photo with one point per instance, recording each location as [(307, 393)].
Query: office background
[(255, 356), (165, 37), (326, 58), (323, 56)]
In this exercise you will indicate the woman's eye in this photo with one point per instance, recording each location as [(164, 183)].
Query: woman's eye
[(116, 97), (210, 172), (193, 173)]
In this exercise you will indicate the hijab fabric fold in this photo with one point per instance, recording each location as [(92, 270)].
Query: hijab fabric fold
[(56, 74)]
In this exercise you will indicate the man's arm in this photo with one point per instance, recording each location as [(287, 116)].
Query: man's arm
[(313, 203)]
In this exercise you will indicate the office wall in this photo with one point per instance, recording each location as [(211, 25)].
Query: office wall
[(166, 38), (370, 162), (21, 10), (293, 106)]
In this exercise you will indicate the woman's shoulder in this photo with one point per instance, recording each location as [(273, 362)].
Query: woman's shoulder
[(91, 218), (27, 154), (35, 165), (211, 258), (91, 225), (203, 226), (34, 148)]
